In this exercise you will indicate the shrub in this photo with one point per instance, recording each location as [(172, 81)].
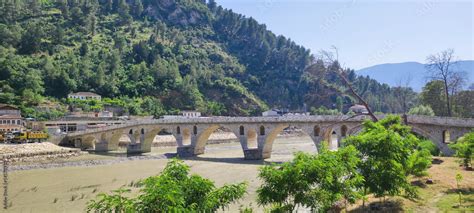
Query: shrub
[(391, 153), (464, 148), (421, 110), (174, 190), (313, 181), (430, 146)]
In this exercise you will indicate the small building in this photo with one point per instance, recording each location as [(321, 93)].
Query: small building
[(105, 114), (359, 109), (11, 128), (271, 113), (191, 114), (10, 118), (84, 96), (6, 109)]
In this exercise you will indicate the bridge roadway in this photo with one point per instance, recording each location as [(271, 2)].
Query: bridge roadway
[(256, 134)]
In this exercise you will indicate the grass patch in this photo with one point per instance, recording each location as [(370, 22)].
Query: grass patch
[(450, 201)]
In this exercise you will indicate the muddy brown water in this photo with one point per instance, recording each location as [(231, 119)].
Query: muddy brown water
[(68, 186)]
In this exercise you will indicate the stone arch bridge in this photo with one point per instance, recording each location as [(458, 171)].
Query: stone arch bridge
[(256, 134)]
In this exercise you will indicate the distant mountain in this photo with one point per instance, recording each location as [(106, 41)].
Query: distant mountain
[(392, 74)]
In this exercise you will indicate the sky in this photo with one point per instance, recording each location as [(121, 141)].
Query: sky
[(367, 32)]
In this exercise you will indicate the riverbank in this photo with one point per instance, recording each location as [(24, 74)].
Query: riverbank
[(68, 188), (35, 152), (80, 178)]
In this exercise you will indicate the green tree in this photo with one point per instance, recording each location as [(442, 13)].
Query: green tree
[(433, 96), (322, 110), (311, 181), (464, 147), (174, 190), (31, 39), (391, 153), (421, 110), (123, 11), (137, 8), (442, 67), (464, 103)]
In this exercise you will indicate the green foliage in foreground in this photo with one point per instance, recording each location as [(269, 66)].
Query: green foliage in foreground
[(391, 153), (465, 149), (311, 181), (174, 190), (430, 146)]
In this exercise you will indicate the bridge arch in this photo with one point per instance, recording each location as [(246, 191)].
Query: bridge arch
[(203, 137), (153, 131), (89, 143), (434, 138), (307, 129), (267, 145)]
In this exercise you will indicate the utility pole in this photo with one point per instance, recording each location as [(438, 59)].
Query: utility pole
[(5, 182)]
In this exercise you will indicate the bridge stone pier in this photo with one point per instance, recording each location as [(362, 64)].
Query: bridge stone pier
[(255, 134)]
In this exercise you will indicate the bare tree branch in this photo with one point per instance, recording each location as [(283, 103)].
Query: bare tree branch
[(328, 57), (442, 66)]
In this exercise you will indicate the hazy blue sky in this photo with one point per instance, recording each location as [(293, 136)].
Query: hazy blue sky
[(368, 32)]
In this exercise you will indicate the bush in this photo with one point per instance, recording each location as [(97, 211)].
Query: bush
[(421, 110), (430, 146), (313, 181), (174, 190), (391, 153), (324, 111), (464, 147)]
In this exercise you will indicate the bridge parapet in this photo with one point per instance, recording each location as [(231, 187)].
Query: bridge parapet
[(441, 121), (260, 130), (229, 120)]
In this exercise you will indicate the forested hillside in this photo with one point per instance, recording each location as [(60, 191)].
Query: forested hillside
[(161, 56)]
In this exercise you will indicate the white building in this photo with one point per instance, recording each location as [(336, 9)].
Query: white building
[(84, 96), (359, 109), (191, 114), (105, 114), (270, 113)]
